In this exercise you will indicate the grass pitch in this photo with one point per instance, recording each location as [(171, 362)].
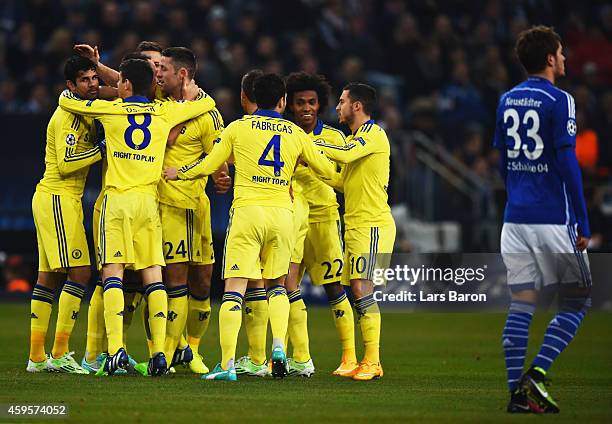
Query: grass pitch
[(438, 368)]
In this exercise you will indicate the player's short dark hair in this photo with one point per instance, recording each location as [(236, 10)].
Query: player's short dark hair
[(149, 46), (182, 57), (534, 45), (76, 64), (268, 90), (135, 55), (139, 73), (247, 83), (363, 93), (302, 81)]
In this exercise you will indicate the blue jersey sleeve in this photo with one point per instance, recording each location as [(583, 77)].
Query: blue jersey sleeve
[(564, 121), (499, 137)]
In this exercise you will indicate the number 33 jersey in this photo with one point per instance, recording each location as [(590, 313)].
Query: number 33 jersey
[(136, 135), (534, 120)]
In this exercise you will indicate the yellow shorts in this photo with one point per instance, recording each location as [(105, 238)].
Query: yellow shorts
[(367, 249), (258, 242), (300, 225), (323, 251), (130, 230), (186, 233), (60, 234)]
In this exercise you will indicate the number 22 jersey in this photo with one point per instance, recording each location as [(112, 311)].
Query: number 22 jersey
[(534, 120)]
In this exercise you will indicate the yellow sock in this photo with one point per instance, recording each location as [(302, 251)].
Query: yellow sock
[(40, 312), (230, 320), (177, 318), (345, 326), (67, 312), (298, 327), (256, 323), (128, 312), (369, 321), (198, 319), (113, 313), (158, 311), (95, 324), (278, 307)]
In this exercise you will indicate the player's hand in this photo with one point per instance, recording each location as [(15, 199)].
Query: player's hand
[(223, 182), (174, 132), (582, 243), (190, 90), (89, 52), (170, 173)]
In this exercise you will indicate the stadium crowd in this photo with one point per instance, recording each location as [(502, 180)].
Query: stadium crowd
[(440, 66)]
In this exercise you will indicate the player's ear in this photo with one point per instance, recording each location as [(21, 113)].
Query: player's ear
[(71, 86)]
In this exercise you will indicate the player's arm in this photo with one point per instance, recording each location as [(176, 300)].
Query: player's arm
[(94, 108), (107, 74), (316, 160), (499, 142), (178, 112), (356, 148), (211, 127), (205, 166), (68, 161), (564, 133)]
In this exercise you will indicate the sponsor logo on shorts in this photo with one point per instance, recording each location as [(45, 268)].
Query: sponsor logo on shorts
[(235, 268), (118, 254), (76, 253)]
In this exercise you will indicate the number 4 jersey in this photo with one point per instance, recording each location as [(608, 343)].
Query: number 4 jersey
[(535, 120), (266, 149)]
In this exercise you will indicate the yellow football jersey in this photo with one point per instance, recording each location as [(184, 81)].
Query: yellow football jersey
[(365, 177), (136, 135), (266, 149), (68, 154), (196, 138), (321, 197)]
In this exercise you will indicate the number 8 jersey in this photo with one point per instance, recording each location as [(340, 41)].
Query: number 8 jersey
[(136, 134), (534, 120)]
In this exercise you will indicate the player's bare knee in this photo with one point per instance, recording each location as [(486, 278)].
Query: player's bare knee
[(361, 288), (49, 280), (280, 281), (333, 290), (525, 296), (176, 274), (199, 280), (79, 274), (256, 284)]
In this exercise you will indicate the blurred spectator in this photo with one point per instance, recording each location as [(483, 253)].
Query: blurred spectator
[(587, 145)]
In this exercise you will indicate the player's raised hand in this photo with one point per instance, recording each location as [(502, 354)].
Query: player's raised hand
[(87, 51), (170, 173), (223, 182), (190, 89)]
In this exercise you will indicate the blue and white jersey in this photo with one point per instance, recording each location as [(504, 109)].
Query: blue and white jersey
[(534, 120)]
